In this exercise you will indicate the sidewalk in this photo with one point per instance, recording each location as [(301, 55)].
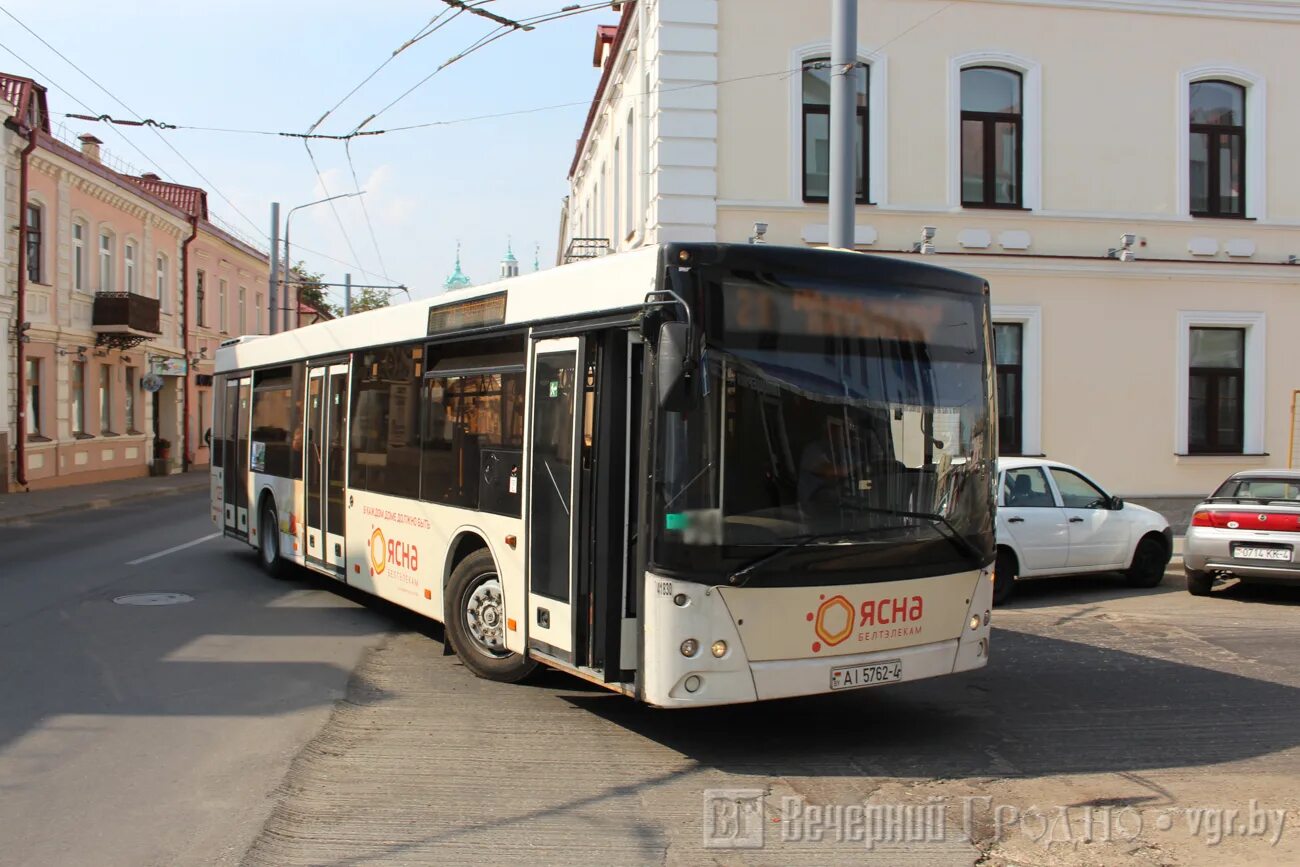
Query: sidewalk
[(19, 507)]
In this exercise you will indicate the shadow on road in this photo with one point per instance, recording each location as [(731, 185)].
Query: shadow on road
[(1043, 707)]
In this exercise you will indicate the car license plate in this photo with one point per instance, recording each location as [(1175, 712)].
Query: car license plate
[(853, 676), (1254, 552)]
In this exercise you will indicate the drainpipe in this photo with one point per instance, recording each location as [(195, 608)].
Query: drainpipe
[(20, 443), (185, 343)]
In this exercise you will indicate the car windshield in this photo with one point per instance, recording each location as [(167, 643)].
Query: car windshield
[(1260, 488), (832, 417)]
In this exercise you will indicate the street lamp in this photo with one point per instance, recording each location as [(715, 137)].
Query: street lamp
[(286, 278)]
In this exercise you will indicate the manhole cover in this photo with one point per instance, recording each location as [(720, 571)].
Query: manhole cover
[(154, 599)]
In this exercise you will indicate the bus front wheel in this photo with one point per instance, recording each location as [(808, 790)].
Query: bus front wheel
[(268, 542), (476, 621)]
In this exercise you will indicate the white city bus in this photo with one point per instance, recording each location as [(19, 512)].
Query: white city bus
[(694, 474)]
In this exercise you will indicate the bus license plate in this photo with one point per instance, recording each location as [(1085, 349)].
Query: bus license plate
[(1253, 552), (853, 676)]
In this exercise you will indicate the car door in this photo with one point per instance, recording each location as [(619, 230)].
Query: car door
[(1099, 535), (1030, 516)]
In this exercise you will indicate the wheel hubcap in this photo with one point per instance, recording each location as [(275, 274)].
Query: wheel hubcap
[(484, 616)]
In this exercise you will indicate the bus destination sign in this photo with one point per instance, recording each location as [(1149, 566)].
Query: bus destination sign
[(474, 313)]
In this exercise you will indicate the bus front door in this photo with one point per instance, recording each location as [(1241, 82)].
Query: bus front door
[(552, 524), (235, 409), (325, 456)]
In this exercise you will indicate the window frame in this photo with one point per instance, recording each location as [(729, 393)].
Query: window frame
[(1015, 446), (32, 381), (1214, 377), (1255, 192), (1048, 487), (1214, 131), (107, 260), (129, 248), (860, 111), (223, 318), (106, 400), (77, 400), (130, 381), (200, 299), (161, 275), (35, 242), (1253, 378), (78, 237), (1104, 504), (989, 121)]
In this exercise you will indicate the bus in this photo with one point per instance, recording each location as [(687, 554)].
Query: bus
[(694, 473)]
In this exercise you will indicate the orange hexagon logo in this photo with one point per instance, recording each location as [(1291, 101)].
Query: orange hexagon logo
[(378, 551), (834, 621)]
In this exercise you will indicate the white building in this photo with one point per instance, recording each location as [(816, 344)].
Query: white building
[(1032, 135)]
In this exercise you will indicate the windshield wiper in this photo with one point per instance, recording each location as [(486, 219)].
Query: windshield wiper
[(736, 578), (953, 535)]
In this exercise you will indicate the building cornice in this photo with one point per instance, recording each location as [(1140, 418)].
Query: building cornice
[(1250, 10)]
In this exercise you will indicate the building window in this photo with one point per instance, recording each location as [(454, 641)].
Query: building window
[(242, 324), (199, 305), (1009, 348), (991, 138), (79, 256), (78, 389), (1217, 156), (221, 305), (817, 131), (105, 399), (34, 214), (261, 314), (1216, 380), (105, 261), (128, 262), (629, 214), (162, 283), (33, 380), (130, 399), (616, 212)]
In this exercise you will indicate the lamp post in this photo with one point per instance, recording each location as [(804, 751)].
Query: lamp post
[(285, 278)]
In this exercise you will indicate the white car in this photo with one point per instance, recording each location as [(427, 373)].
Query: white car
[(1054, 520)]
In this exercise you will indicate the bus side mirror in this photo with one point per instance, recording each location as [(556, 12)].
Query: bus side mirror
[(670, 368)]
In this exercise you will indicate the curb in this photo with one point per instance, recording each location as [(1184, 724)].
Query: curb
[(101, 503)]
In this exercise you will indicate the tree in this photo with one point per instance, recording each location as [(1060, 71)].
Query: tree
[(311, 289), (369, 299)]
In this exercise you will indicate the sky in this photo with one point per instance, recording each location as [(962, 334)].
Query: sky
[(278, 66)]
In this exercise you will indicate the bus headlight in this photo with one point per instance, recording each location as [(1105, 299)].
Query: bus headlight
[(690, 647), (975, 621), (719, 648)]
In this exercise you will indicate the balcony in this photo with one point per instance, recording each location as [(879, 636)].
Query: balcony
[(123, 319), (586, 248)]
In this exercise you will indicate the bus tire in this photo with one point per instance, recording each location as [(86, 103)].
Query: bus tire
[(268, 542), (1004, 575), (476, 624)]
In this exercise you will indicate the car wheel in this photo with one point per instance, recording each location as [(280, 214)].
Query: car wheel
[(476, 621), (1149, 561), (1199, 583), (1004, 575), (268, 543)]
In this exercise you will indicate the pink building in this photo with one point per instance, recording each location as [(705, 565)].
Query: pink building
[(114, 300)]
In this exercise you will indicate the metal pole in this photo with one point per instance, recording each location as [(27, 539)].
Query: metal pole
[(287, 270), (274, 293), (347, 294), (844, 78)]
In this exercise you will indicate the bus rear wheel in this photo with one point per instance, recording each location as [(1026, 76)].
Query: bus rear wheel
[(476, 621), (268, 543)]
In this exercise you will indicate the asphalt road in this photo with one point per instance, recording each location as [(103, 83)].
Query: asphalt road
[(280, 723)]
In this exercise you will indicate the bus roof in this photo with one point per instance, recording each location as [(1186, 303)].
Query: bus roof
[(609, 283)]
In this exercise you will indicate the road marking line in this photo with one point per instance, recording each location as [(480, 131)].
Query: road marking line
[(198, 541)]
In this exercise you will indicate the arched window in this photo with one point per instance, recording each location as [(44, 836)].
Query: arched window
[(1217, 156), (817, 131), (991, 138), (79, 255)]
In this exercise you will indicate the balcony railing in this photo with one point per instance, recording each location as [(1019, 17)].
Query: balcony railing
[(586, 248), (124, 319)]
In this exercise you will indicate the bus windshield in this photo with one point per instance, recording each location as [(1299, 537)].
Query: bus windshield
[(837, 433)]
